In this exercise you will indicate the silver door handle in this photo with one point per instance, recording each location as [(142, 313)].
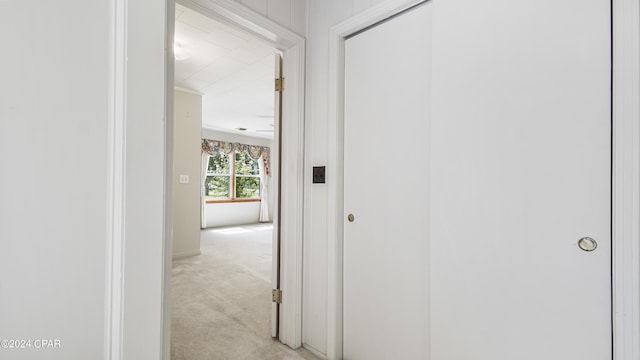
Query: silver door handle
[(587, 244)]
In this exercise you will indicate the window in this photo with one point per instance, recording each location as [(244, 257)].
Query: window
[(232, 180), (247, 177), (218, 183)]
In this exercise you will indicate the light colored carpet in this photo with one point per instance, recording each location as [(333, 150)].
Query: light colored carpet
[(221, 300)]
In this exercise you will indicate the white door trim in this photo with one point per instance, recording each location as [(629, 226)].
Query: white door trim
[(117, 118), (167, 253), (626, 172), (626, 179), (293, 47)]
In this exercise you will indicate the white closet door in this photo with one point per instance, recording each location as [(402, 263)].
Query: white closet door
[(520, 172), (386, 247), (477, 156)]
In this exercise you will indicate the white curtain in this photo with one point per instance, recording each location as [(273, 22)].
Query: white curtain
[(203, 179), (264, 192)]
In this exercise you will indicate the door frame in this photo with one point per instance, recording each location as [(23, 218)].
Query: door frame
[(625, 172), (293, 47)]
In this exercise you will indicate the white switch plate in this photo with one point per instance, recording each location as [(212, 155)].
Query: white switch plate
[(184, 179)]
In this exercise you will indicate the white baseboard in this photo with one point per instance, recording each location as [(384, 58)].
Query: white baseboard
[(186, 254)]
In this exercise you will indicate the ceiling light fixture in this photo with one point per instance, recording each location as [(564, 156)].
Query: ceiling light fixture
[(179, 53)]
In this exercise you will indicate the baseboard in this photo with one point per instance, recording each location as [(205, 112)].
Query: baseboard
[(315, 352), (186, 254)]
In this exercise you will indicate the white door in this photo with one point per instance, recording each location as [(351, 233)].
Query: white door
[(516, 161), (386, 249), (520, 172)]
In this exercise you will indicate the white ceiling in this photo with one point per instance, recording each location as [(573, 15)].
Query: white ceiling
[(233, 70)]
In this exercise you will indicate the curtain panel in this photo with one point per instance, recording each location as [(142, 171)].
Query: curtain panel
[(204, 164)]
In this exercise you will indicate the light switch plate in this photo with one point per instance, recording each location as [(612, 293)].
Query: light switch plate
[(318, 174), (184, 179)]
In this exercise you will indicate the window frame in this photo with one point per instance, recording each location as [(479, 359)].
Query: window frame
[(232, 182)]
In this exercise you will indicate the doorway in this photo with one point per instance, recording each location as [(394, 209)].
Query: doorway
[(498, 252), (225, 127), (289, 218)]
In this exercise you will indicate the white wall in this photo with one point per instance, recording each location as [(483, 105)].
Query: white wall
[(54, 108), (239, 213), (223, 214), (288, 13), (322, 15), (53, 151), (186, 161)]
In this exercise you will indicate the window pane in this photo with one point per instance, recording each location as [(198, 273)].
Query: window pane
[(217, 187), (218, 164), (247, 187), (245, 165)]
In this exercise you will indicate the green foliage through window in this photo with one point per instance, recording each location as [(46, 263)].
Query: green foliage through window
[(219, 164), (218, 187), (244, 171), (245, 165), (247, 187)]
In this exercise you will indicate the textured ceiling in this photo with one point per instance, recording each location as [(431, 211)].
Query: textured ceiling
[(233, 70)]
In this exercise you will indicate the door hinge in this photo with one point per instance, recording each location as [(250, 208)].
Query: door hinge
[(276, 296), (280, 84)]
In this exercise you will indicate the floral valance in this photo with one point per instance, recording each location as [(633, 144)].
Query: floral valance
[(213, 147)]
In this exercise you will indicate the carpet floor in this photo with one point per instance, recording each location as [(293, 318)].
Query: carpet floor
[(221, 299)]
